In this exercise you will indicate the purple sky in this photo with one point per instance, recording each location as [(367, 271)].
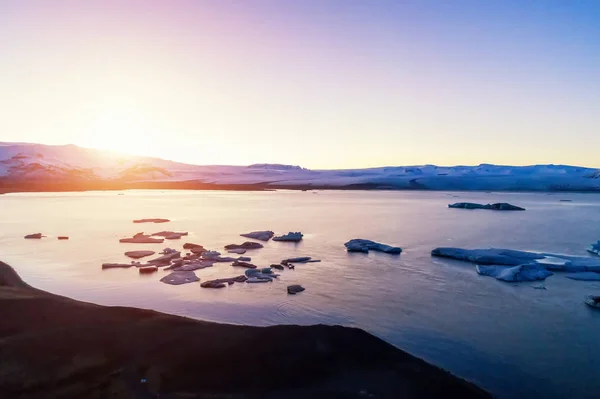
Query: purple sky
[(324, 84)]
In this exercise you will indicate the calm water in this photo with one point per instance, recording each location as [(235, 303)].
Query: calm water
[(511, 339)]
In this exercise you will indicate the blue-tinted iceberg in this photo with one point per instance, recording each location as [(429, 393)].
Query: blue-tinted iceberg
[(291, 236), (527, 272), (595, 248), (492, 256), (360, 245), (265, 235), (501, 206)]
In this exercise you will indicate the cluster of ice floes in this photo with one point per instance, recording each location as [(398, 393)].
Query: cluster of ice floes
[(500, 206), (514, 266), (360, 245), (182, 267)]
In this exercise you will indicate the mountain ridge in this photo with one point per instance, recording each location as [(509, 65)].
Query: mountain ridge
[(29, 164)]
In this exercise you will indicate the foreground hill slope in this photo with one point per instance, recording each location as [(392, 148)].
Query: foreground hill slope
[(39, 167), (56, 347)]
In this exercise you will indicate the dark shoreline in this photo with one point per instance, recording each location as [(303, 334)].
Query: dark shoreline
[(57, 347), (11, 186)]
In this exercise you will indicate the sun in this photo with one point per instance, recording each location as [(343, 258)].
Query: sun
[(122, 130)]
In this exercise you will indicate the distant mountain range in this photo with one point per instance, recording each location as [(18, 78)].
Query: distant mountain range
[(39, 167)]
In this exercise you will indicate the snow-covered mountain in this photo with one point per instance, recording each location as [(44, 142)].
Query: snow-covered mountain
[(25, 163)]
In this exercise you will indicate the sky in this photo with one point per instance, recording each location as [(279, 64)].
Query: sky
[(318, 83)]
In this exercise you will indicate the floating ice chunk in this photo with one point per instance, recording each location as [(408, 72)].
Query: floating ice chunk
[(165, 259), (178, 278), (194, 265), (294, 289), (211, 255), (299, 259), (500, 206), (527, 272), (360, 245), (291, 236), (257, 280), (259, 235), (553, 263), (239, 251), (246, 245), (116, 265), (594, 248), (139, 254), (141, 238), (593, 301)]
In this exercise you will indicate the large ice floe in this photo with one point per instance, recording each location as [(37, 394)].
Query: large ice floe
[(514, 266)]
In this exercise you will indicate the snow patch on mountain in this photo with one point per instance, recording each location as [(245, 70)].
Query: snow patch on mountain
[(21, 161)]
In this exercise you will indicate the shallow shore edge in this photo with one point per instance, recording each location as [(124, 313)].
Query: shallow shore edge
[(52, 346)]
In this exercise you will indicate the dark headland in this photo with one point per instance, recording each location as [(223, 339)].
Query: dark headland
[(57, 347)]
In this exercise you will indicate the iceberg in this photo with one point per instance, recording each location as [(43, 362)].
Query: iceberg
[(141, 238), (193, 265), (593, 301), (291, 237), (265, 235), (156, 220), (243, 264), (164, 260), (210, 255), (116, 265), (139, 254), (500, 206), (527, 272), (492, 256), (239, 251), (360, 245), (294, 289), (170, 235), (178, 278), (246, 245), (594, 248)]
